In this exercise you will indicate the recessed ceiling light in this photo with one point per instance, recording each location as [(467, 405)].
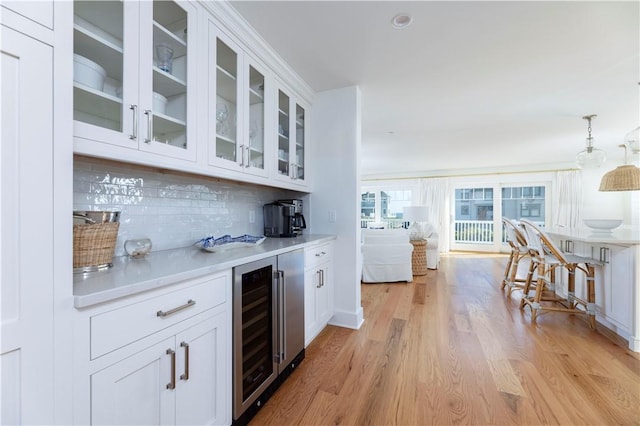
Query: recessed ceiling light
[(401, 20)]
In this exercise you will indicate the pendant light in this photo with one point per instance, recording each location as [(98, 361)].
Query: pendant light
[(590, 156), (622, 178)]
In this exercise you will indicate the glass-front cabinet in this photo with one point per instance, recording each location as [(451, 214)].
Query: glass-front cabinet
[(134, 73), (291, 134), (236, 107)]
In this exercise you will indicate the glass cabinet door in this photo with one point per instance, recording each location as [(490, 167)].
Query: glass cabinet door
[(166, 72), (255, 144), (226, 102), (104, 95), (299, 159), (283, 134)]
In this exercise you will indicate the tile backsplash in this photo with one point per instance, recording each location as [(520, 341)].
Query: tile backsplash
[(172, 209)]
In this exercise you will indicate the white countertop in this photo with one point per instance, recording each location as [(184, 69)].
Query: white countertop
[(624, 235), (157, 269)]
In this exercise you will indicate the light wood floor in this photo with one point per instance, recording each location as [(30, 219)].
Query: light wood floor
[(450, 348)]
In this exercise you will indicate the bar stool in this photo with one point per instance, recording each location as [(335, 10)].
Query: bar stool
[(547, 258), (519, 250)]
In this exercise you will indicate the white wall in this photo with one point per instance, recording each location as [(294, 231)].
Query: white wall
[(607, 205), (336, 136)]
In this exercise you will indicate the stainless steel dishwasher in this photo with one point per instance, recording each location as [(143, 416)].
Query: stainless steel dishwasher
[(268, 328)]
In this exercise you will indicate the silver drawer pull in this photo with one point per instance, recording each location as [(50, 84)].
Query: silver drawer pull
[(320, 254), (163, 314)]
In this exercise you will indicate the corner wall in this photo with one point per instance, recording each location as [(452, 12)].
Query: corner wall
[(335, 201)]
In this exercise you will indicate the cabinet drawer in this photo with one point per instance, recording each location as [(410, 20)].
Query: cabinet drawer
[(119, 327), (315, 255)]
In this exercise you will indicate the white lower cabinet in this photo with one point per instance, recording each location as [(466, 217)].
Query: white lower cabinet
[(318, 291), (614, 285), (171, 382), (177, 373), (614, 266)]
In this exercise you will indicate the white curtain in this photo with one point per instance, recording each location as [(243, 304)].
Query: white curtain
[(434, 193), (567, 199)]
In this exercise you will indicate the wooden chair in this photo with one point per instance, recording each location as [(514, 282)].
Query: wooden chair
[(519, 250), (548, 257)]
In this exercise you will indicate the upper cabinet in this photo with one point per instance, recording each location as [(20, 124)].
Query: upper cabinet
[(238, 93), (187, 86), (134, 76), (291, 134)]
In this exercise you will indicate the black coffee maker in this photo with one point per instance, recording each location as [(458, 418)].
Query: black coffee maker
[(298, 221), (279, 220)]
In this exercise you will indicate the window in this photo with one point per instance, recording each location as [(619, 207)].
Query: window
[(384, 204)]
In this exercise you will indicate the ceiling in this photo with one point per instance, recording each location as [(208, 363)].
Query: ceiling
[(468, 86)]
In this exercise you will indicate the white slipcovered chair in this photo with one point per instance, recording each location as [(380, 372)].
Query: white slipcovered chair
[(386, 256)]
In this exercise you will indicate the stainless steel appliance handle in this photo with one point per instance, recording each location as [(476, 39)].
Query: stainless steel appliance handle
[(185, 376), (172, 383), (147, 112), (283, 315), (133, 136), (163, 314)]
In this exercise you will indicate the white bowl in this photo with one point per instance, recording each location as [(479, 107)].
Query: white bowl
[(602, 224), (159, 103), (87, 72)]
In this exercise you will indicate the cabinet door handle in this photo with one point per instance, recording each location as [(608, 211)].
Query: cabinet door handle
[(320, 254), (172, 383), (248, 163), (134, 135), (164, 314), (242, 155), (322, 277), (319, 279), (569, 248), (604, 254), (147, 112), (185, 376)]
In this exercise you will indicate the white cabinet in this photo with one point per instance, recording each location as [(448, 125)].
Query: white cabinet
[(172, 382), (614, 266), (614, 284), (291, 132), (26, 280), (318, 292), (134, 78), (239, 91), (162, 358)]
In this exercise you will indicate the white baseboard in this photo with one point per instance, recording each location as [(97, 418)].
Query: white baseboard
[(345, 319)]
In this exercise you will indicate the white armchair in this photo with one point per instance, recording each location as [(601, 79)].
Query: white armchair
[(386, 255)]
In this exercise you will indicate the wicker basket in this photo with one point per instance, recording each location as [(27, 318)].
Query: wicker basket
[(419, 257), (93, 246)]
